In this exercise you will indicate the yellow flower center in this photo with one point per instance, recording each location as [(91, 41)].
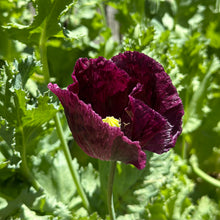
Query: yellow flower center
[(113, 122)]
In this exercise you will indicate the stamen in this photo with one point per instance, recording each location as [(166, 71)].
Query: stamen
[(113, 122)]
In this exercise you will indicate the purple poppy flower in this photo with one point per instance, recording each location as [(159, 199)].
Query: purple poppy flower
[(132, 88)]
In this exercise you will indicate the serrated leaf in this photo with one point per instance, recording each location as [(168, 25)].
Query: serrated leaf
[(90, 179), (77, 33), (93, 216), (25, 69), (25, 196), (6, 132), (170, 201), (7, 102), (48, 204), (51, 171), (46, 21), (28, 200), (42, 113), (27, 119), (206, 209), (27, 214)]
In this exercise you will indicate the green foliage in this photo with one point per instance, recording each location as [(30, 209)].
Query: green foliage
[(45, 22), (35, 180)]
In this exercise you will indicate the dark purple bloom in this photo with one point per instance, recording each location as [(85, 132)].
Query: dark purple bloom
[(131, 87)]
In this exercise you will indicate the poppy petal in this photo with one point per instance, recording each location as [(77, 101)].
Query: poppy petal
[(153, 86), (103, 85), (168, 102), (95, 137), (149, 127)]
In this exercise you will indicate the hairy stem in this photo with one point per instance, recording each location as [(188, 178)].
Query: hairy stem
[(202, 174), (26, 172), (183, 153), (24, 166), (23, 151), (43, 53), (70, 164), (44, 60), (110, 202)]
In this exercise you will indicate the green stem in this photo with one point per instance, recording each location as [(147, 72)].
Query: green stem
[(184, 143), (70, 165), (43, 52), (202, 174), (24, 166), (26, 172), (110, 202)]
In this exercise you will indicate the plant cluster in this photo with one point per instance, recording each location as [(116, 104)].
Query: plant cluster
[(41, 165)]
